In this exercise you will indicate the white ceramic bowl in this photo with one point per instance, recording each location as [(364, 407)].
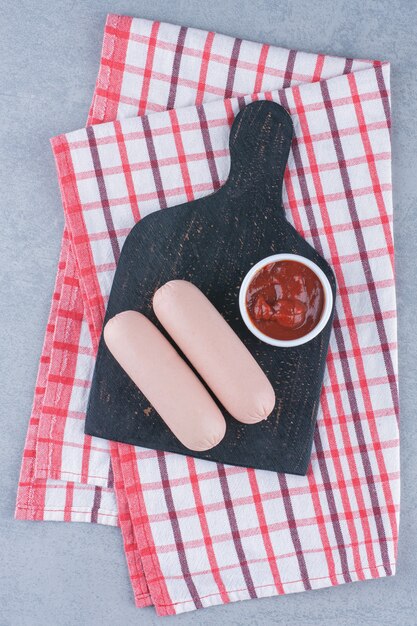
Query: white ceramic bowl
[(327, 308)]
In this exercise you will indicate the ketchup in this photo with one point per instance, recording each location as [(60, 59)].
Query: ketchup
[(285, 300)]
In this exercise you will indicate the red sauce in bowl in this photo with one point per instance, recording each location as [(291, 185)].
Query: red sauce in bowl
[(285, 300)]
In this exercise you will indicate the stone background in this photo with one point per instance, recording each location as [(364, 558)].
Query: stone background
[(65, 574)]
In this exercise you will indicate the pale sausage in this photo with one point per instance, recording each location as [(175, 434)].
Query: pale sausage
[(214, 349), (165, 380)]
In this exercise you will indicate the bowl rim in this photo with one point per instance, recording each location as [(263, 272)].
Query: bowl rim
[(328, 300)]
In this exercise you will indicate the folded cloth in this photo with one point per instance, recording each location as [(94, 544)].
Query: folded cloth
[(198, 533)]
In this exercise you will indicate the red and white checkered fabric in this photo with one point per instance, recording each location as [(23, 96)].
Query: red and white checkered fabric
[(198, 533)]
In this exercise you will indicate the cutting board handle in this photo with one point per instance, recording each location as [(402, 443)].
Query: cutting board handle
[(260, 141)]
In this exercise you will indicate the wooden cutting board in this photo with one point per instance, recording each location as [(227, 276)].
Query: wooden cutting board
[(213, 242)]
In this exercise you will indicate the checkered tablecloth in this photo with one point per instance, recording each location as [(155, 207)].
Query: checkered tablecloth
[(197, 533)]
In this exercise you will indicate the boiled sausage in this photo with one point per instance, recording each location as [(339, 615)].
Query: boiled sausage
[(165, 380), (214, 349)]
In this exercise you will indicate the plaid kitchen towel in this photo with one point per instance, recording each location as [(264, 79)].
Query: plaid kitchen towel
[(198, 533)]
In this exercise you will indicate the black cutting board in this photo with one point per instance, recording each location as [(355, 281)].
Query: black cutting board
[(213, 242)]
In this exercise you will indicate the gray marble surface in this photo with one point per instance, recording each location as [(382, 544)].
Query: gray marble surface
[(67, 574)]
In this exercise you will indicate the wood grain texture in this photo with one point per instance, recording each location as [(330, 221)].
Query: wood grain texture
[(213, 242)]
